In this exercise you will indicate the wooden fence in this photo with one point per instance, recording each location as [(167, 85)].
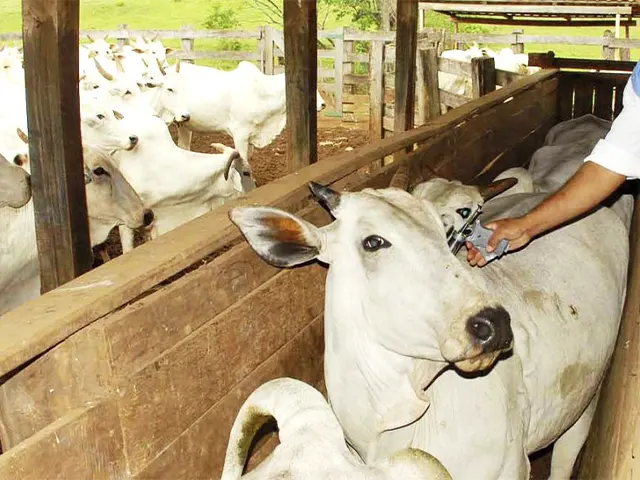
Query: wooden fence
[(337, 60)]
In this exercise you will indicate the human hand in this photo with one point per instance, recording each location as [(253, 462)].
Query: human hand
[(515, 230)]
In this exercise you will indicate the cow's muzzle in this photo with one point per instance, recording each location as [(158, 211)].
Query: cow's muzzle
[(481, 339)]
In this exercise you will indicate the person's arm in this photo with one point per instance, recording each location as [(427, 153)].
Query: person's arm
[(590, 185)]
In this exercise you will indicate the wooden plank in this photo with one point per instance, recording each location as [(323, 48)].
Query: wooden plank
[(454, 67), (565, 97), (504, 78), (70, 377), (60, 313), (479, 143), (613, 438), (515, 9), (355, 80), (85, 443), (200, 450), (483, 76), (583, 101), (376, 89), (406, 42), (300, 42), (268, 50), (603, 103), (210, 54), (339, 71), (517, 156), (481, 138), (50, 29), (166, 396), (543, 22), (617, 104), (428, 91), (588, 64), (187, 41), (451, 99)]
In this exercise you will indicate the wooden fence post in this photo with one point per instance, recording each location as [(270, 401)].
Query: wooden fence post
[(483, 76), (427, 88), (625, 53), (267, 50), (123, 35), (608, 53), (50, 30), (339, 70), (376, 89), (517, 46), (349, 48), (187, 42), (301, 77), (406, 46)]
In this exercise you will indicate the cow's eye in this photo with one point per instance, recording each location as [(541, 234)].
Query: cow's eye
[(170, 90), (464, 212), (18, 160), (100, 116), (128, 92), (374, 243), (99, 171)]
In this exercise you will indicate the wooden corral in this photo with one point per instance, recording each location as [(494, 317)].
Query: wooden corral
[(137, 369)]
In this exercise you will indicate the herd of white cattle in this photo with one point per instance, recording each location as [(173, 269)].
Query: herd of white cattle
[(474, 368), (136, 176)]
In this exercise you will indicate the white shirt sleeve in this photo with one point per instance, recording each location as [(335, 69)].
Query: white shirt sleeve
[(619, 151)]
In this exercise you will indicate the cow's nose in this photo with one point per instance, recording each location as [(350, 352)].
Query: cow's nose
[(186, 117), (149, 217), (491, 329), (134, 140)]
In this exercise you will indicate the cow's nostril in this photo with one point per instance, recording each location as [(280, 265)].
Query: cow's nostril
[(149, 217), (134, 139), (491, 328), (482, 329), (186, 117)]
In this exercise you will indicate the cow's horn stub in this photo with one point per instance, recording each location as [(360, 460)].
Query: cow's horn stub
[(496, 188), (102, 71), (235, 155), (326, 195), (23, 136), (401, 178)]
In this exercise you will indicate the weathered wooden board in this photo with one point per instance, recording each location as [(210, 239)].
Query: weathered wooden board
[(85, 443), (614, 439), (164, 398), (199, 451)]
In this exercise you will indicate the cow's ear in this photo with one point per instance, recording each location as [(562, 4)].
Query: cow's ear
[(280, 238)]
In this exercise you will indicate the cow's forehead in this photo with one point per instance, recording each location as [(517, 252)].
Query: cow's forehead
[(381, 205)]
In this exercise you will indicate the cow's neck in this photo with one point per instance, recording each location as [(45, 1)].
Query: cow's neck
[(18, 245)]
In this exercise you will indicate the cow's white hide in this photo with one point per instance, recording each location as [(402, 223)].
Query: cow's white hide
[(110, 201), (312, 444), (245, 103), (177, 184)]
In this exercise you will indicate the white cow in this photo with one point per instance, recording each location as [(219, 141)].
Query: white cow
[(413, 334), (312, 444), (110, 202), (245, 103), (15, 185), (177, 184)]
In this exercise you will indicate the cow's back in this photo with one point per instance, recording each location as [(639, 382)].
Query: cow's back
[(564, 293)]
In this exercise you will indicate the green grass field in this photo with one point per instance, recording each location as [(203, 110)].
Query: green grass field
[(172, 14)]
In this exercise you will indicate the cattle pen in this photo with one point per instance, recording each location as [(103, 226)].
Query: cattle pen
[(137, 369)]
